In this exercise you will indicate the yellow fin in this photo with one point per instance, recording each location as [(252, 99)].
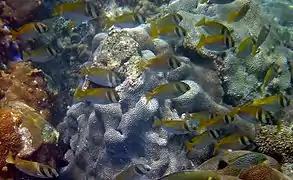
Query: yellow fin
[(9, 158), (201, 22), (188, 146), (157, 122), (149, 97), (154, 32), (142, 66), (78, 93), (201, 42)]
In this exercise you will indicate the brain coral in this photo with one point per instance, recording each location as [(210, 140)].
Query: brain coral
[(105, 139)]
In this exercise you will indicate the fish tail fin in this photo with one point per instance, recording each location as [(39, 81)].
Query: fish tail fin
[(148, 97), (157, 122), (10, 159), (57, 9), (201, 22), (108, 22), (201, 41), (255, 50), (78, 93), (188, 146), (154, 32), (141, 66)]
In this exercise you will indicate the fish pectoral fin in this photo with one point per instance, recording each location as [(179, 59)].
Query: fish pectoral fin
[(10, 159), (201, 42), (188, 146)]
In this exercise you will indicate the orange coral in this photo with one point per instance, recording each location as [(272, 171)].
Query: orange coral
[(10, 139)]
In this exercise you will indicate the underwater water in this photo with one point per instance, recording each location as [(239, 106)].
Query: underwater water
[(146, 89)]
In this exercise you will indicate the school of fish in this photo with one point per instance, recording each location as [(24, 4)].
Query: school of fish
[(212, 127)]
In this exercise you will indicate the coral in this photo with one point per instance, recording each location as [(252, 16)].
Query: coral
[(239, 77), (104, 139), (10, 139), (24, 104), (16, 13), (282, 141), (23, 83), (262, 172)]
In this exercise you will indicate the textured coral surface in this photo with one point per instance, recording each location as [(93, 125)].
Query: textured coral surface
[(25, 84), (10, 139)]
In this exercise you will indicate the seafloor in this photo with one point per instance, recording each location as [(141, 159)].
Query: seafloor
[(98, 141)]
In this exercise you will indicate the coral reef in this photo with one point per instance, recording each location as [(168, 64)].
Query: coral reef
[(23, 83), (262, 172), (121, 134), (23, 87), (16, 13), (240, 77)]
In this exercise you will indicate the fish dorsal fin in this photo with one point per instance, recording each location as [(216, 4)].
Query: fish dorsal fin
[(222, 164)]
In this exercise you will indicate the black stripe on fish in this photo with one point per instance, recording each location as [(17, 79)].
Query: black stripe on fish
[(173, 62), (177, 18), (222, 164), (138, 170), (44, 171), (215, 134), (37, 28)]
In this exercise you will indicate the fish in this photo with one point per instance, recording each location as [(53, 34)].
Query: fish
[(97, 95), (169, 19), (255, 115), (171, 31), (101, 76), (272, 103), (168, 91), (213, 27), (273, 71), (224, 159), (216, 42), (31, 168), (79, 11), (246, 48), (197, 175), (204, 139), (215, 123), (239, 14), (233, 142), (29, 30), (262, 36), (133, 172), (43, 53), (126, 20), (176, 126), (203, 115), (161, 63)]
